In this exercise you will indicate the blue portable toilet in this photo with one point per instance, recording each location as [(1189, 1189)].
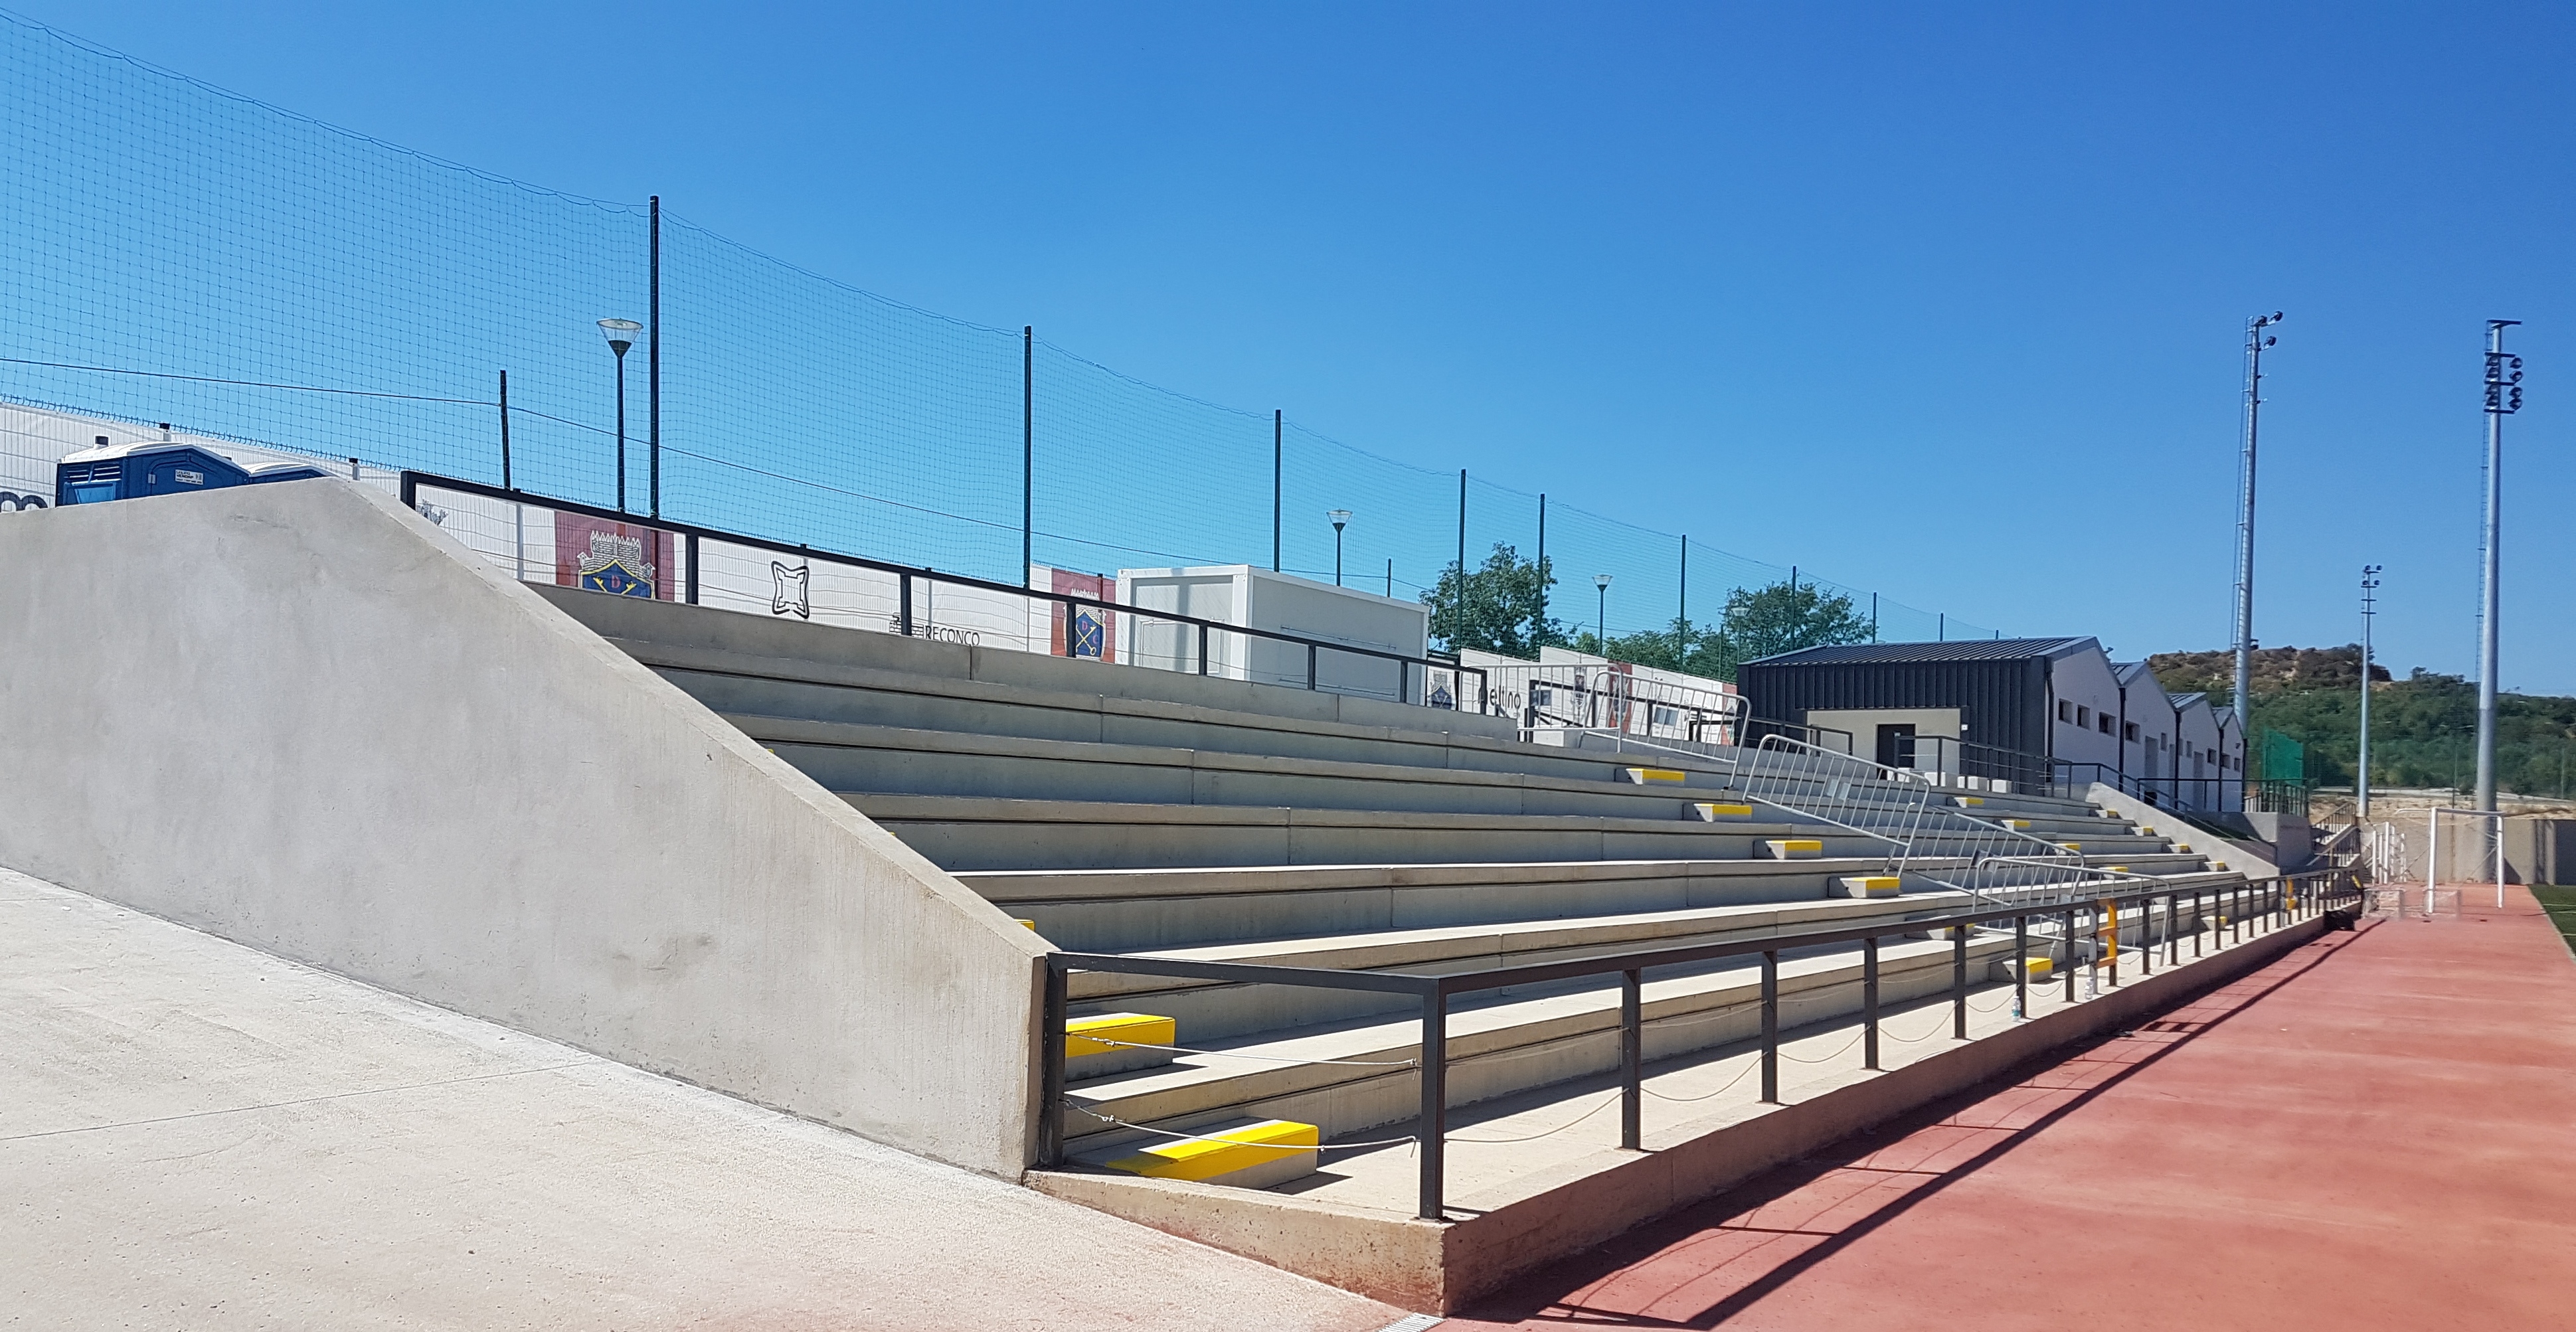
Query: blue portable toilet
[(169, 467)]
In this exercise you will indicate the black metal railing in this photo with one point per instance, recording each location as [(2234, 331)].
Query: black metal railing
[(907, 576), (2277, 901)]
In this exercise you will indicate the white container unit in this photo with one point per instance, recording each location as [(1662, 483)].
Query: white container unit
[(1255, 598)]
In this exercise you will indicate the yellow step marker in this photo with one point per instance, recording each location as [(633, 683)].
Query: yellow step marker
[(1970, 802), (1872, 885), (1029, 925), (1117, 1033), (2033, 968), (1257, 1155), (2017, 825), (1641, 776), (1796, 848), (2076, 847), (1717, 813)]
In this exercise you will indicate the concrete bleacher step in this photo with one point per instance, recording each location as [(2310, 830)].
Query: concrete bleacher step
[(1206, 1010), (918, 761), (1350, 1077), (972, 833), (1138, 910)]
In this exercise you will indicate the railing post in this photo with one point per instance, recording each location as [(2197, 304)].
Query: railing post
[(1869, 1002), (2146, 936), (1632, 1058), (1431, 1135), (2173, 929), (1203, 649), (1959, 982), (903, 604), (2021, 966), (2069, 933), (1771, 1026), (2106, 923), (2199, 921), (1051, 1079), (691, 541), (1310, 665)]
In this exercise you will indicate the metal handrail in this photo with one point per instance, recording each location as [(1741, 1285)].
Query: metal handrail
[(2276, 898), (412, 482)]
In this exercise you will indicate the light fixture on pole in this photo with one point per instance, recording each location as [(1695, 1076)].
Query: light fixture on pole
[(2255, 341), (621, 336), (2504, 398), (2361, 772), (1340, 518), (1601, 616)]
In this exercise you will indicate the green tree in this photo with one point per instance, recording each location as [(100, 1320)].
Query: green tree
[(1501, 607), (1757, 622)]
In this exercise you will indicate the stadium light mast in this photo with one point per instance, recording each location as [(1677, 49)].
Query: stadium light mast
[(2361, 774), (621, 336), (2255, 341), (2504, 398), (1341, 518)]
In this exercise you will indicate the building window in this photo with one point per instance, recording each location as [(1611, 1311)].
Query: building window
[(2130, 733), (2102, 723), (2083, 715), (2065, 711)]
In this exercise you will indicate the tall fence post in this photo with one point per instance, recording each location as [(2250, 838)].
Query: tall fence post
[(691, 541), (1278, 479), (903, 603), (1028, 449), (653, 365), (1432, 1133), (1632, 1058)]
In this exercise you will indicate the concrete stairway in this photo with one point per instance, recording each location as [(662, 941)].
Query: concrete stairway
[(1125, 810)]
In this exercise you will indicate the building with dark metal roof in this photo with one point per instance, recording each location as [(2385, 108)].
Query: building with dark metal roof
[(2028, 710)]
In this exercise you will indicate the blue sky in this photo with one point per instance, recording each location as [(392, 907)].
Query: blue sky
[(1945, 302)]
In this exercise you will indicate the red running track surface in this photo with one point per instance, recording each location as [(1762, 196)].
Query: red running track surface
[(2376, 1131)]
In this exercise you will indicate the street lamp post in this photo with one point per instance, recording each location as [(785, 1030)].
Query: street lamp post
[(1601, 616), (2361, 775), (621, 335), (1341, 518)]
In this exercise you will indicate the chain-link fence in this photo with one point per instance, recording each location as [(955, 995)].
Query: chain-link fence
[(177, 253)]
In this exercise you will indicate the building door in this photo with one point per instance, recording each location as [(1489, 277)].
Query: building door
[(1896, 745)]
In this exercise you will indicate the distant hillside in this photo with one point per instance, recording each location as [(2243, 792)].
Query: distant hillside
[(2423, 729)]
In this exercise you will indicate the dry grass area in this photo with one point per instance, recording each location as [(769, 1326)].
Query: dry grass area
[(2333, 805)]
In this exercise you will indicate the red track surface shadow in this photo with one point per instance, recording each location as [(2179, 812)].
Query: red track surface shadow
[(2376, 1131)]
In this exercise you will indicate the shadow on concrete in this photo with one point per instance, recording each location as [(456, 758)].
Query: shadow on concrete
[(1718, 1257)]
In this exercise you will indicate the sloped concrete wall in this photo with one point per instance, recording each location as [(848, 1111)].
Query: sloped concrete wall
[(298, 717)]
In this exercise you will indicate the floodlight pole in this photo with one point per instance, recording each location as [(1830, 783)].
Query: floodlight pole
[(2369, 610), (2504, 398), (653, 365), (2255, 341)]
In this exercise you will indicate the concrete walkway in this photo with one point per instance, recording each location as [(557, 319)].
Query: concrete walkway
[(196, 1135), (2377, 1131)]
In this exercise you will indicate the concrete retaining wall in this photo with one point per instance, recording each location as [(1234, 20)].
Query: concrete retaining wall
[(299, 717)]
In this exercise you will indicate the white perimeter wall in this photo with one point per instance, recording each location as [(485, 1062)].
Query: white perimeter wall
[(297, 716)]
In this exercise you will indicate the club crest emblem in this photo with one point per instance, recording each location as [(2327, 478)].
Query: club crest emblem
[(616, 565), (790, 591)]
